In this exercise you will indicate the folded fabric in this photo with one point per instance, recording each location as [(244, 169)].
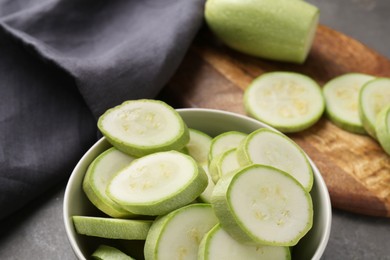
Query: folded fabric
[(62, 64)]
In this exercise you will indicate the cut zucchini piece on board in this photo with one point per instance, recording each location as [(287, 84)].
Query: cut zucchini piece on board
[(215, 243), (128, 229), (287, 101), (99, 174), (177, 235), (158, 183), (342, 101), (382, 127), (260, 204), (265, 146), (279, 29), (373, 97), (144, 126)]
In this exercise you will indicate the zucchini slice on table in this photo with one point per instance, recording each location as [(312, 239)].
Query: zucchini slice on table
[(342, 101)]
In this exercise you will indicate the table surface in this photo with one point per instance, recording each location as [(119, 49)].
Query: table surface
[(37, 231)]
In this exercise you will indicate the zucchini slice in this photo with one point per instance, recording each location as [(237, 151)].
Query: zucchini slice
[(342, 101), (158, 183), (214, 243), (144, 126), (373, 97), (178, 234), (260, 204)]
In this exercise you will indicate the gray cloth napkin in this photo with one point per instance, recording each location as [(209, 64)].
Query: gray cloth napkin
[(62, 64)]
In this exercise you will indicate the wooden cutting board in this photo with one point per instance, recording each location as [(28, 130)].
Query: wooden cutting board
[(355, 168)]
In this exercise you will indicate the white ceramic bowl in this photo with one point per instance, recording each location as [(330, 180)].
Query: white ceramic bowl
[(212, 122)]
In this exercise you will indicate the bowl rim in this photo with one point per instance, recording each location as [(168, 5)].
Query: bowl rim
[(327, 210)]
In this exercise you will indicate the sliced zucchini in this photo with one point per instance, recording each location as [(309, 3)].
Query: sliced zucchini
[(104, 252), (342, 101), (223, 164), (199, 146), (260, 204), (177, 235), (158, 183), (111, 227), (215, 243), (373, 97), (288, 101), (382, 127), (206, 194), (225, 141), (144, 126), (268, 147), (99, 174)]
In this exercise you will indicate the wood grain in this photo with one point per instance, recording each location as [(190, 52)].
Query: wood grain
[(355, 168)]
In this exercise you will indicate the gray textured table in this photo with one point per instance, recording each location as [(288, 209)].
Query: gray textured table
[(37, 231)]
